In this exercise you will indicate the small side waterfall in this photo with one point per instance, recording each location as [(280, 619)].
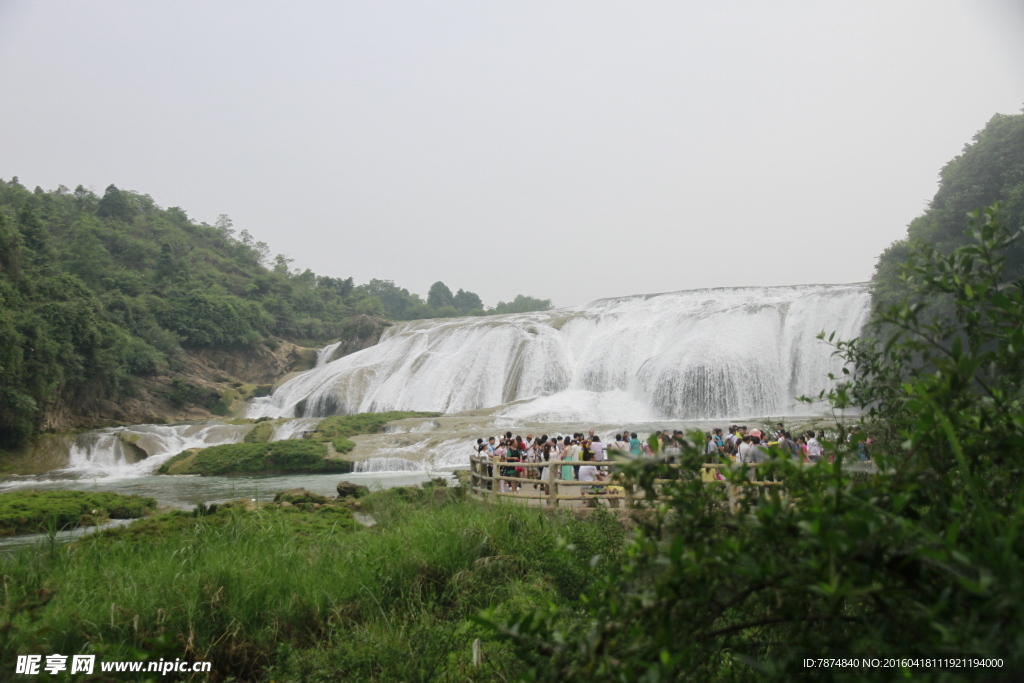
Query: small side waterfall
[(117, 452), (294, 429), (389, 465)]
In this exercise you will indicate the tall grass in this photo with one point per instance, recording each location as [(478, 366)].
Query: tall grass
[(305, 593)]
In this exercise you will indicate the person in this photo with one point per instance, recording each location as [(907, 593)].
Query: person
[(634, 445), (598, 448), (785, 445), (758, 440), (513, 455), (743, 454), (814, 449), (710, 447), (622, 443), (568, 454), (801, 444), (589, 473), (545, 457)]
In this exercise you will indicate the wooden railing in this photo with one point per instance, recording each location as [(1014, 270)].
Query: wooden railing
[(553, 490)]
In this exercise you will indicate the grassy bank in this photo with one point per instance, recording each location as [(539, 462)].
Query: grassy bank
[(23, 512), (292, 594)]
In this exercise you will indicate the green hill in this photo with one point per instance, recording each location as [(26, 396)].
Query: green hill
[(990, 169), (99, 295)]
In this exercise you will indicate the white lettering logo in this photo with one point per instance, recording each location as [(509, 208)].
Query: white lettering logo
[(55, 663), (82, 663), (28, 664)]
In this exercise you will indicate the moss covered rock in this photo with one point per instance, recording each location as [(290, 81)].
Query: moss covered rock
[(300, 495)]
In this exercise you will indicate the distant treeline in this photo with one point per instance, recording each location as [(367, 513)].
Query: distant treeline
[(95, 291), (385, 298)]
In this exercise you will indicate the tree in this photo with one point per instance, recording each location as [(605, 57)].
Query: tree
[(394, 298), (466, 302), (115, 204), (440, 296), (989, 169), (522, 304), (33, 233), (10, 250)]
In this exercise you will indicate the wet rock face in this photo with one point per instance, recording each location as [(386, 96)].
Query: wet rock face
[(347, 489)]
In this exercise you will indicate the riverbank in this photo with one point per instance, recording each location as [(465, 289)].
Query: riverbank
[(25, 512), (288, 594)]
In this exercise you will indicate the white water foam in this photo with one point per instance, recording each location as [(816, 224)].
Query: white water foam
[(294, 429), (383, 464), (324, 354), (685, 355), (103, 453)]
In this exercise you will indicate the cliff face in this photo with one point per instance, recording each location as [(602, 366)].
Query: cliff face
[(206, 383)]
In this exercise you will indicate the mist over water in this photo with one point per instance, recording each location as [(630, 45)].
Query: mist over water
[(697, 354)]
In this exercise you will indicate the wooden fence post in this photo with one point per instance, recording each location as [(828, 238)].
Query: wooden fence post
[(552, 485), (495, 481)]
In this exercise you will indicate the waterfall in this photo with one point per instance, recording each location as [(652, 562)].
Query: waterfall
[(388, 465), (294, 429), (699, 354), (324, 354), (105, 453)]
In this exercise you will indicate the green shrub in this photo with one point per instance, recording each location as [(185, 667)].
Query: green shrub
[(343, 445), (261, 433)]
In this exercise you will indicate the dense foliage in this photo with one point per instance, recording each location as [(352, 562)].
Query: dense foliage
[(24, 512), (923, 557), (989, 170), (98, 291), (292, 595)]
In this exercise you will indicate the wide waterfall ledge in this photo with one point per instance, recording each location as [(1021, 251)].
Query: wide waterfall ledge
[(690, 355)]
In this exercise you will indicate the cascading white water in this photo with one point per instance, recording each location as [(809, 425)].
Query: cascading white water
[(104, 453), (389, 465), (697, 354), (294, 429), (324, 354)]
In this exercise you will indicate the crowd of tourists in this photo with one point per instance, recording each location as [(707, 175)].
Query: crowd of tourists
[(528, 457)]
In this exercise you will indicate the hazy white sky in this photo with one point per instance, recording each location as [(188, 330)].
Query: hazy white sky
[(569, 150)]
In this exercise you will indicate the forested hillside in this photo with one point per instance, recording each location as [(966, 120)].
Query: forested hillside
[(98, 292), (990, 169)]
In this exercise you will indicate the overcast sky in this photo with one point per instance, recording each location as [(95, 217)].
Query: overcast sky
[(566, 150)]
